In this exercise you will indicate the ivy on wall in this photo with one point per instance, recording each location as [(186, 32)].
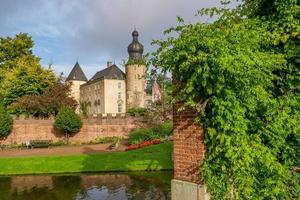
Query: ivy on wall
[(242, 74)]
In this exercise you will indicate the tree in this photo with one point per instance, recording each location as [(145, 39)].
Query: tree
[(20, 71), (160, 110), (6, 122), (68, 121), (49, 103), (242, 75), (11, 49)]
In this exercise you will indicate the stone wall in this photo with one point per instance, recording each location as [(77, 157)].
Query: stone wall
[(93, 127), (189, 147)]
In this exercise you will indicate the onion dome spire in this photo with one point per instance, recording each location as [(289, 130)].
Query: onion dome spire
[(135, 48)]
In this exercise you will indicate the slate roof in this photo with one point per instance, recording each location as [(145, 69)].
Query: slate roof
[(112, 72), (76, 74), (135, 48)]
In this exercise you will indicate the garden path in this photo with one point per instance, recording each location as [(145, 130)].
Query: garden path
[(59, 151)]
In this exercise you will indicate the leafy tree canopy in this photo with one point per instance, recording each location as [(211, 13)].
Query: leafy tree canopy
[(242, 74), (68, 121), (20, 71), (27, 78), (11, 49), (49, 103)]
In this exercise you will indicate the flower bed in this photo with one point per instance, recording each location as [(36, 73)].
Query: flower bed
[(144, 144)]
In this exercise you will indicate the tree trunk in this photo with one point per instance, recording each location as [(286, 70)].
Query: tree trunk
[(67, 137)]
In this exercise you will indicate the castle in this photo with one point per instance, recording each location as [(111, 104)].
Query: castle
[(111, 90)]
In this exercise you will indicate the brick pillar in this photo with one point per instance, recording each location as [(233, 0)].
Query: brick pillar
[(188, 151)]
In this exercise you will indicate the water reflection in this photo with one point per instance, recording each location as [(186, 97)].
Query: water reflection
[(146, 185)]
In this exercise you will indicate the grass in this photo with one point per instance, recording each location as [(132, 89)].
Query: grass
[(152, 158)]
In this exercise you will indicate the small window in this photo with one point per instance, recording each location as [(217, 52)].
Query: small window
[(119, 85), (119, 108), (119, 95)]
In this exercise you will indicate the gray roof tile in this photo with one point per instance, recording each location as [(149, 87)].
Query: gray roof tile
[(77, 74), (112, 72)]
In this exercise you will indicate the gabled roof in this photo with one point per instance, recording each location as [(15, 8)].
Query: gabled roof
[(112, 72), (76, 74)]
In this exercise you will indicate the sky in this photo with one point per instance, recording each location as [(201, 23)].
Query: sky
[(92, 31)]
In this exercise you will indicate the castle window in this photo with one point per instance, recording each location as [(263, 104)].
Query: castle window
[(119, 85), (119, 95), (119, 108)]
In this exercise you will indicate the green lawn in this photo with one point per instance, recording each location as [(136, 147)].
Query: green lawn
[(156, 157)]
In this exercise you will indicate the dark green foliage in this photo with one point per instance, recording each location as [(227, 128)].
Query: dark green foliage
[(47, 104), (6, 122), (142, 135), (137, 111), (242, 74), (147, 134), (164, 129), (68, 121)]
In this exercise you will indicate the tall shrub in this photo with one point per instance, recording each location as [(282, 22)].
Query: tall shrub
[(6, 122), (68, 121)]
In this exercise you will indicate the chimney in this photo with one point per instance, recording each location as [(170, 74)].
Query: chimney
[(109, 63)]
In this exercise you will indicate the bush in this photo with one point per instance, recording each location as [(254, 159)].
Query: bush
[(68, 121), (164, 129), (6, 122), (105, 140), (147, 134), (137, 111), (141, 135)]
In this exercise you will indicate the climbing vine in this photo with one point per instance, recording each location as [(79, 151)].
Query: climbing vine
[(242, 74)]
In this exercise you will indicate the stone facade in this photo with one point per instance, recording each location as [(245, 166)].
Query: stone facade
[(104, 96), (43, 129), (135, 85)]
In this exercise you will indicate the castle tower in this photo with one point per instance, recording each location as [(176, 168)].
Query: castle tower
[(135, 74), (76, 78)]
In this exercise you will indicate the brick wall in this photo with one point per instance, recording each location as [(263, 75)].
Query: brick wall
[(93, 127), (189, 148)]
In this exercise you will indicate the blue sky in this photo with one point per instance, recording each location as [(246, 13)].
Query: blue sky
[(95, 31)]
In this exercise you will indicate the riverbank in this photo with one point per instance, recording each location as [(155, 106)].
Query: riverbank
[(152, 158)]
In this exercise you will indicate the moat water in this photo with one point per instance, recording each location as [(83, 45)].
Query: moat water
[(112, 186)]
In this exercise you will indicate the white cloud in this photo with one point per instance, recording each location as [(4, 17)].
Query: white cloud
[(94, 30)]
